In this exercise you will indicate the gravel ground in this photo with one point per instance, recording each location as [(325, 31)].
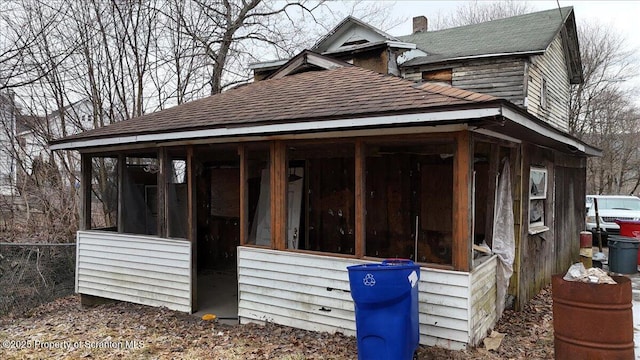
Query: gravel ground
[(63, 330)]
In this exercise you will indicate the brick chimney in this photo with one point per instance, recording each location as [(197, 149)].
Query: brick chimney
[(419, 24)]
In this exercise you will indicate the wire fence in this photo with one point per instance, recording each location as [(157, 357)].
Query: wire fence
[(35, 273)]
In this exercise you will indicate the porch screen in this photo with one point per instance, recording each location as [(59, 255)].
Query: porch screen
[(409, 200), (104, 193), (321, 197)]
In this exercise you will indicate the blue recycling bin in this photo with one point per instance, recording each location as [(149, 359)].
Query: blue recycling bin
[(386, 304)]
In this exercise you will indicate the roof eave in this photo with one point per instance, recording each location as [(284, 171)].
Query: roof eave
[(430, 116), (470, 57), (460, 114)]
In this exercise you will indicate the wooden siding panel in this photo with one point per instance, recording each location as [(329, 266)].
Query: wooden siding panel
[(311, 292), (501, 78), (498, 77), (483, 300), (115, 266), (552, 65)]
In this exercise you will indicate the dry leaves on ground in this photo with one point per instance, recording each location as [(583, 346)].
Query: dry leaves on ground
[(63, 330)]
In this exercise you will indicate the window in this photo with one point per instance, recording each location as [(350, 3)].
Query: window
[(543, 93), (537, 199)]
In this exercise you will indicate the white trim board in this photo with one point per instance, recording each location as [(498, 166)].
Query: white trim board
[(322, 125)]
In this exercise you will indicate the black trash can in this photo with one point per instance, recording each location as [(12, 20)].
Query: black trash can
[(386, 306), (623, 254)]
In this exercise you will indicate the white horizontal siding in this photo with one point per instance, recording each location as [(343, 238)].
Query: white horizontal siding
[(483, 300), (311, 292), (444, 304), (292, 288), (139, 269)]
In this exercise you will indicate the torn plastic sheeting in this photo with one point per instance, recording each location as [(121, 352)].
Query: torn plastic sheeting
[(504, 237)]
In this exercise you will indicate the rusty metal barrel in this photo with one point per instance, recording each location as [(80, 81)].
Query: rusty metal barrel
[(592, 321)]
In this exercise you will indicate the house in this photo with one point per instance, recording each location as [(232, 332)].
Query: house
[(8, 113), (329, 159), (36, 131)]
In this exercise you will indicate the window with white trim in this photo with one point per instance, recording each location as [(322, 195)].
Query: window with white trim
[(537, 198)]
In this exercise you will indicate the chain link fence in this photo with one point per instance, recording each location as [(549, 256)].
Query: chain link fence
[(35, 273)]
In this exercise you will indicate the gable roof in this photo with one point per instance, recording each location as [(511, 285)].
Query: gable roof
[(346, 28), (352, 34), (526, 34), (307, 60)]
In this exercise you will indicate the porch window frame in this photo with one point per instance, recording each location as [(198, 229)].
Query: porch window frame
[(461, 216)]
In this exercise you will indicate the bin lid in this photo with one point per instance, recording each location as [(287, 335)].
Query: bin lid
[(621, 238)]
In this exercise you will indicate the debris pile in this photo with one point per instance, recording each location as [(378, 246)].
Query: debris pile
[(577, 272)]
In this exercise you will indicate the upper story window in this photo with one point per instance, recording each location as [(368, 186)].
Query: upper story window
[(543, 93), (443, 76)]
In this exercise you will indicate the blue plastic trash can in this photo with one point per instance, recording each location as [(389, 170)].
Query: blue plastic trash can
[(386, 305)]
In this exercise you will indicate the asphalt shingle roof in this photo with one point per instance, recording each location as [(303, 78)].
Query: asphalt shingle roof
[(347, 92), (518, 34)]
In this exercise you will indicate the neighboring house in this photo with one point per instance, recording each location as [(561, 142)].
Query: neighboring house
[(8, 170), (328, 160), (72, 119)]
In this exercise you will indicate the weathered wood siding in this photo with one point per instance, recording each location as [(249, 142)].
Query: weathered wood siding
[(504, 78), (312, 292), (537, 253), (138, 269), (483, 300), (553, 67), (569, 210)]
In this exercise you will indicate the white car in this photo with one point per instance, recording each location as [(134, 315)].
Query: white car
[(610, 208)]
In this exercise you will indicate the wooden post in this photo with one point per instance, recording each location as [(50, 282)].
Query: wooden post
[(163, 167), (361, 198), (494, 170), (278, 187), (244, 195), (85, 191), (121, 168), (192, 234), (462, 203)]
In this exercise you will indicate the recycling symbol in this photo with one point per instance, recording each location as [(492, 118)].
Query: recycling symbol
[(369, 280)]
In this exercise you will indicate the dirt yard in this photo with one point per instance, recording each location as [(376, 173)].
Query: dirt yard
[(63, 330)]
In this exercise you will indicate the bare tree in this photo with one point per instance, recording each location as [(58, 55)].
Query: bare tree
[(607, 64), (475, 12), (602, 111), (18, 36)]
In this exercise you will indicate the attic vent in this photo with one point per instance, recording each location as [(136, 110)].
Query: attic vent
[(355, 42)]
